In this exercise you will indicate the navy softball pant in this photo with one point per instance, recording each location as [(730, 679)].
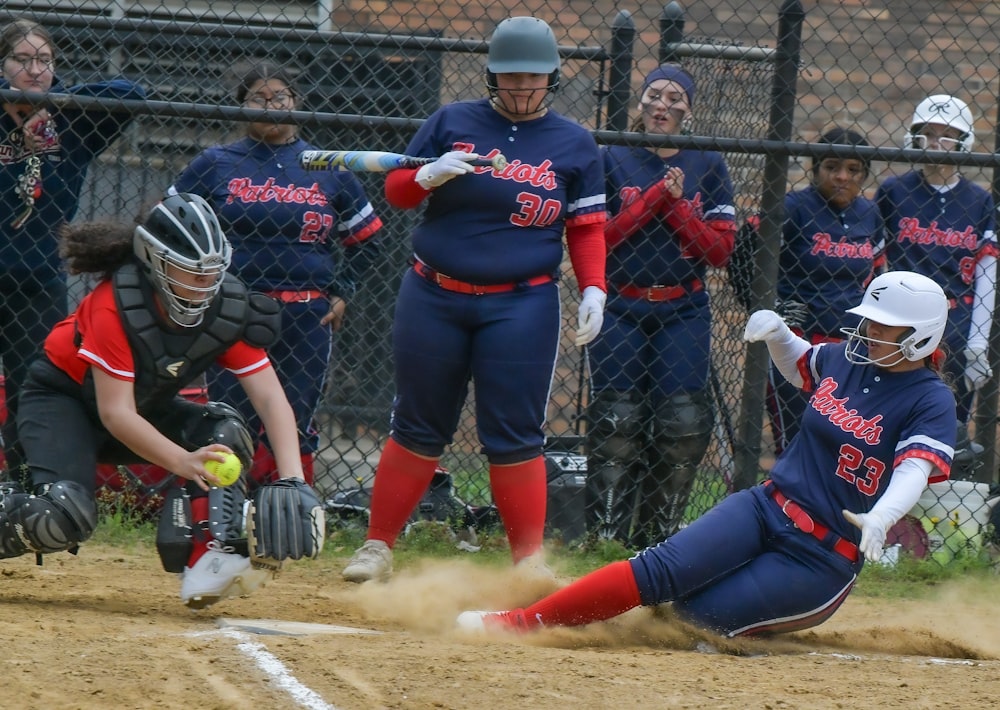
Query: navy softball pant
[(743, 568), (504, 343)]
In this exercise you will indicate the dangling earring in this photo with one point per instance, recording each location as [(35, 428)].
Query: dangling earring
[(687, 125)]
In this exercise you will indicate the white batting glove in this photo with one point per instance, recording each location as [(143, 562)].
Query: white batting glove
[(765, 325), (873, 530), (590, 316), (448, 166), (977, 367)]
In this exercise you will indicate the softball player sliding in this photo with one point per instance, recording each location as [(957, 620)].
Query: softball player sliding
[(940, 224), (481, 302), (285, 225), (783, 555), (651, 417)]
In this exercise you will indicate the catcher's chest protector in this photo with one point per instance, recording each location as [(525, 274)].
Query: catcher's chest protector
[(167, 360)]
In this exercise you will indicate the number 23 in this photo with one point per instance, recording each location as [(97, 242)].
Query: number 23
[(851, 459)]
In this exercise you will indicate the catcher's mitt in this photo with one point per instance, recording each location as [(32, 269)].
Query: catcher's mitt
[(285, 521)]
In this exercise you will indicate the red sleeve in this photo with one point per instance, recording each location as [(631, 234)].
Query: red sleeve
[(402, 190), (635, 215), (711, 241), (588, 253), (242, 359)]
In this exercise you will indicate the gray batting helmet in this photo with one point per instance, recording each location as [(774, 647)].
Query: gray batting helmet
[(522, 45)]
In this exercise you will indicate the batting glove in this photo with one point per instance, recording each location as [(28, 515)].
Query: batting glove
[(873, 530), (977, 367), (590, 316), (448, 166), (766, 326)]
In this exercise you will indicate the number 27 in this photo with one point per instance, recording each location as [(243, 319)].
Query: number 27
[(851, 460)]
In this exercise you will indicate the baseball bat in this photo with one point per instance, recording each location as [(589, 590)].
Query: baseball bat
[(376, 161)]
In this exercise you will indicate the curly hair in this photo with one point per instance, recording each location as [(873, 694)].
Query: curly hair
[(98, 247)]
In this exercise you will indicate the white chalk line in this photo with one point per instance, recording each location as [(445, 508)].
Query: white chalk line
[(931, 660), (279, 673)]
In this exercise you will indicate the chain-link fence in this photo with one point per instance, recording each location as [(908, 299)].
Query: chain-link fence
[(771, 79)]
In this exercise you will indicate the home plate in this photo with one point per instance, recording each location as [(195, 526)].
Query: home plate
[(274, 627)]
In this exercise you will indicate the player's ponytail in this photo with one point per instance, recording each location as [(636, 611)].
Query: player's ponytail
[(98, 247)]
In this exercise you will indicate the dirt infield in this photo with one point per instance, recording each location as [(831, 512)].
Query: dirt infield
[(106, 630)]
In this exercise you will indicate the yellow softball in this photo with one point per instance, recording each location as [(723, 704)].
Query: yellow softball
[(226, 471)]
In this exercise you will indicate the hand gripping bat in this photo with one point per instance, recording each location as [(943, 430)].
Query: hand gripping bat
[(376, 161)]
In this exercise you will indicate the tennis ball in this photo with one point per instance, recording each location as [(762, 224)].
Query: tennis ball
[(226, 471)]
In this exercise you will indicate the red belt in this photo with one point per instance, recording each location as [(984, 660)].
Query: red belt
[(450, 284), (296, 296), (953, 302), (658, 294), (804, 522)]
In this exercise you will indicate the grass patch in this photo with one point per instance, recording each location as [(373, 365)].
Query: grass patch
[(914, 578)]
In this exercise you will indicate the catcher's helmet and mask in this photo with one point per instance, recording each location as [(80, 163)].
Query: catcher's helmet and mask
[(183, 233), (899, 298), (942, 110), (522, 45)]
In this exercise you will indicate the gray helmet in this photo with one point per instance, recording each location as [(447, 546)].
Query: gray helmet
[(183, 234), (522, 45)]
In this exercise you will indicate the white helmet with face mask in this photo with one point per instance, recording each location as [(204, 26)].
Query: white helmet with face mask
[(899, 298), (943, 110)]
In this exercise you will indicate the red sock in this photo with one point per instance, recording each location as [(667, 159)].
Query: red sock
[(602, 594), (264, 466), (308, 468), (199, 529), (400, 481), (520, 492)]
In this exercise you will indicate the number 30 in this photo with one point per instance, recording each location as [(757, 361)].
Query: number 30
[(534, 212)]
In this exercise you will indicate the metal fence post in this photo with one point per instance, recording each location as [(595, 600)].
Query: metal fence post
[(671, 31), (620, 75), (985, 414), (748, 448)]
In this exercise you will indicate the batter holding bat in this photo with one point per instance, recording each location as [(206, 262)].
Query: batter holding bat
[(286, 226), (482, 302), (783, 555)]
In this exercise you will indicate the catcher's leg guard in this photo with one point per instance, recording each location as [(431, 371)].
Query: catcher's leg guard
[(682, 432), (614, 439), (60, 517), (174, 531), (226, 517)]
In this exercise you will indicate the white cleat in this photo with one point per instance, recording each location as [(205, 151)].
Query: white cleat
[(219, 574), (373, 560), (472, 621)]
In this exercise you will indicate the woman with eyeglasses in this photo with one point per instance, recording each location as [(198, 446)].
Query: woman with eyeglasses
[(941, 224), (45, 153), (651, 417), (287, 226)]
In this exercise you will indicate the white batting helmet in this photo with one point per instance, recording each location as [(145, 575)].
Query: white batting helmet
[(943, 110), (899, 298)]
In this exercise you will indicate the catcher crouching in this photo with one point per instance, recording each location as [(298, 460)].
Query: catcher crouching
[(106, 390)]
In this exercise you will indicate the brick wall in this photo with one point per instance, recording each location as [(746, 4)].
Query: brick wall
[(865, 63)]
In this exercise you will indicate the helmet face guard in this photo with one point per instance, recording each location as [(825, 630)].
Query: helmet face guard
[(522, 45), (899, 298), (182, 236), (944, 110)]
